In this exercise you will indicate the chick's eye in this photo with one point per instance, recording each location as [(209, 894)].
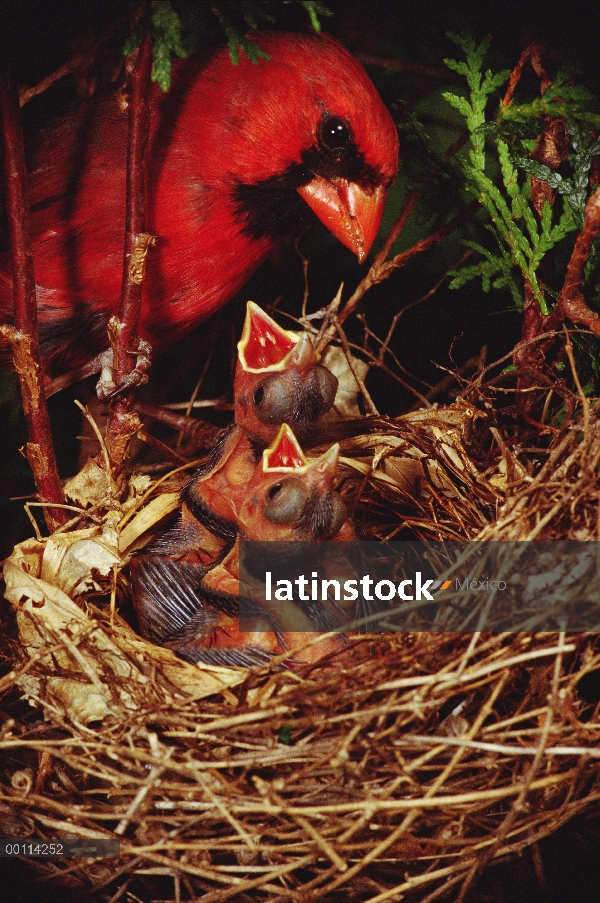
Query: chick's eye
[(285, 501), (334, 133), (274, 399)]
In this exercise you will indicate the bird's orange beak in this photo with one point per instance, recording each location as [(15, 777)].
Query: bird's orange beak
[(322, 472), (352, 213)]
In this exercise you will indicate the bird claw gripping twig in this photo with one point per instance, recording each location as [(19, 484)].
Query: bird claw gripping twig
[(106, 387)]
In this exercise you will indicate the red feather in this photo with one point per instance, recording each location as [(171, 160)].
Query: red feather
[(234, 150)]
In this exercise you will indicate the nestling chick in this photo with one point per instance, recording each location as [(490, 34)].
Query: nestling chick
[(195, 610)]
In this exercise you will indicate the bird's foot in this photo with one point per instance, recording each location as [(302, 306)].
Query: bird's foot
[(107, 387)]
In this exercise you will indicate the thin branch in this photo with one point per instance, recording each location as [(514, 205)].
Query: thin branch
[(571, 302), (534, 52), (79, 62), (519, 804), (383, 268), (351, 364), (124, 421), (23, 336)]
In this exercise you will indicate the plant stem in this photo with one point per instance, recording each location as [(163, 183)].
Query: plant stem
[(382, 268), (23, 336), (123, 421), (571, 302)]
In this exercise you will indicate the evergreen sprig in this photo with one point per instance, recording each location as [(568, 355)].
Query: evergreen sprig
[(575, 189), (171, 38), (562, 100), (173, 34), (315, 10), (524, 238), (473, 108), (177, 34)]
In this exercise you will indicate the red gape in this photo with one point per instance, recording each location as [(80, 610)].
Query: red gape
[(239, 156)]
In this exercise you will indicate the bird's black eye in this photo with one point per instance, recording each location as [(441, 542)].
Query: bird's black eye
[(274, 398), (334, 133), (285, 501)]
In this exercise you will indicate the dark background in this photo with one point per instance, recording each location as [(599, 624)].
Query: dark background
[(445, 331)]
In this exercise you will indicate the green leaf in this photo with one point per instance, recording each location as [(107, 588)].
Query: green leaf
[(172, 36), (459, 103), (492, 82), (457, 66), (166, 27), (495, 272), (167, 32), (133, 40), (557, 109), (236, 41), (543, 172)]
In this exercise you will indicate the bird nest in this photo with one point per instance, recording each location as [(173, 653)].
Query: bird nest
[(404, 769)]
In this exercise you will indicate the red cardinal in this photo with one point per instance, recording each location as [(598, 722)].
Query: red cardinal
[(195, 611), (239, 157), (278, 378)]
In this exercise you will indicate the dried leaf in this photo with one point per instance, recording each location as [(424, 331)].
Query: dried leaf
[(95, 669), (152, 514), (346, 399), (91, 486), (70, 561)]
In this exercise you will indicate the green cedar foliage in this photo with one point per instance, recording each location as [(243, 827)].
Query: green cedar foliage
[(178, 32), (523, 240)]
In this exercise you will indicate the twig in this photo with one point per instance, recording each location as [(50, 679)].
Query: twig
[(571, 302), (198, 386), (378, 360), (534, 52), (98, 434), (585, 402), (410, 202), (430, 794), (383, 268), (519, 804), (23, 336), (79, 61), (169, 453), (351, 364), (123, 421)]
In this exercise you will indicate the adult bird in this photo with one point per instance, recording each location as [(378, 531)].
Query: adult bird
[(240, 156)]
